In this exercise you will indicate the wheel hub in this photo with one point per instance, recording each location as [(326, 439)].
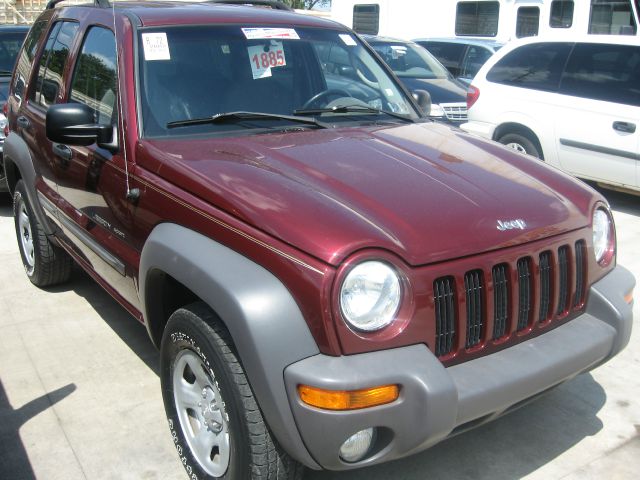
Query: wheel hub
[(210, 411)]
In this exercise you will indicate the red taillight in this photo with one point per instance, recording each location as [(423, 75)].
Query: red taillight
[(472, 96)]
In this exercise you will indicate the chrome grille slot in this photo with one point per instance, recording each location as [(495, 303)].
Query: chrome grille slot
[(475, 311), (445, 315), (500, 300), (524, 293)]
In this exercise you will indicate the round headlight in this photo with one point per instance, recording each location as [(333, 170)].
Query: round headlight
[(602, 234), (370, 296)]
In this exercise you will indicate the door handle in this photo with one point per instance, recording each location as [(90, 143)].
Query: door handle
[(23, 121), (62, 151), (625, 127)]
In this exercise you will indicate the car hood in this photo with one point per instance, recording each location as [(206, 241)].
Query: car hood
[(425, 192), (442, 90)]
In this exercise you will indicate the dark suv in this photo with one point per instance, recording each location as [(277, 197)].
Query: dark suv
[(332, 280)]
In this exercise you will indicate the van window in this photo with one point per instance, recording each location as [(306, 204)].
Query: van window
[(561, 14), (612, 17), (477, 18), (537, 66), (366, 19), (528, 22), (603, 72), (53, 62)]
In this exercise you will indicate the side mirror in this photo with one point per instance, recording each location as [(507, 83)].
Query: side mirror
[(424, 101), (74, 124)]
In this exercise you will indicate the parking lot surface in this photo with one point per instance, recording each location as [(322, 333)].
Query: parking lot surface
[(80, 395)]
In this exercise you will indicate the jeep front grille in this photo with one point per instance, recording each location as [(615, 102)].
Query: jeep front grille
[(547, 285)]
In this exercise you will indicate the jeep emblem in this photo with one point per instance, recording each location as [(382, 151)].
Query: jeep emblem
[(511, 224)]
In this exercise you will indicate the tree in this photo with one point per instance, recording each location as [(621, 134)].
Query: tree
[(307, 4)]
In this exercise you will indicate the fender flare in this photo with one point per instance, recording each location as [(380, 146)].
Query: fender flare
[(16, 153), (264, 321)]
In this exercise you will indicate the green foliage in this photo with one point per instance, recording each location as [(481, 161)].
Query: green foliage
[(307, 4)]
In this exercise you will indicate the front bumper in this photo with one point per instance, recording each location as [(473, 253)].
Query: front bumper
[(436, 401)]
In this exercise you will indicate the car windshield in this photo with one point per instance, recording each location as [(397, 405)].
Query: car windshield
[(214, 79), (408, 60), (10, 44)]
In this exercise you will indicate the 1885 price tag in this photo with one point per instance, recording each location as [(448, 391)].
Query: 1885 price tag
[(265, 57)]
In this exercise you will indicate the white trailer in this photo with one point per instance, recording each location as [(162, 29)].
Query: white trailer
[(500, 20)]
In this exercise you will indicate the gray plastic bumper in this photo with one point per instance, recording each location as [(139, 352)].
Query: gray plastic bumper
[(436, 401)]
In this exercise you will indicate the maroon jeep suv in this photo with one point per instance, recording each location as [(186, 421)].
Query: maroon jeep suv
[(333, 280)]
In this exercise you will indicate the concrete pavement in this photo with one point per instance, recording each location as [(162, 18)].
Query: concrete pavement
[(80, 395)]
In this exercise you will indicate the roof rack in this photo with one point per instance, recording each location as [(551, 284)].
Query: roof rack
[(275, 4), (99, 3)]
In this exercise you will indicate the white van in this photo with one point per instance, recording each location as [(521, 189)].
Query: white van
[(575, 104), (500, 20)]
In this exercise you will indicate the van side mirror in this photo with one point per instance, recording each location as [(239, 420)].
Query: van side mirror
[(424, 101), (74, 124)]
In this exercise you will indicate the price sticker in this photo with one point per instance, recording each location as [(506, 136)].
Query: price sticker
[(155, 46), (265, 57)]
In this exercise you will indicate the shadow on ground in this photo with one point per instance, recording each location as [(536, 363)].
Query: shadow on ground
[(6, 205), (14, 462), (622, 202)]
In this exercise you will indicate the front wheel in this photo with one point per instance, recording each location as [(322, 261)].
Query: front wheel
[(215, 422), (521, 143)]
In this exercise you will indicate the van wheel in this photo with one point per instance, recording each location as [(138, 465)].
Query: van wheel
[(520, 143), (45, 263), (215, 421)]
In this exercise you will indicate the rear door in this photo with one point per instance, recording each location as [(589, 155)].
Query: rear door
[(598, 113)]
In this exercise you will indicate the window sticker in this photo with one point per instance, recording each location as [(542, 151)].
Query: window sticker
[(155, 46), (265, 57), (348, 39), (268, 33), (225, 49)]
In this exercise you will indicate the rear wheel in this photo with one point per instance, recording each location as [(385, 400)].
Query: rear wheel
[(215, 422), (45, 263), (521, 143)]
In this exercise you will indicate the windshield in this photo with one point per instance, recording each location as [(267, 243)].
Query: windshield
[(408, 60), (10, 44), (199, 72)]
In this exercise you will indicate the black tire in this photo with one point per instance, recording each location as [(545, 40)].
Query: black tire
[(46, 264), (521, 143), (195, 336)]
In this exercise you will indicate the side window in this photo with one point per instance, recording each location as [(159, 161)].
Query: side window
[(477, 18), (528, 22), (537, 66), (52, 63), (366, 19), (94, 78), (448, 54), (612, 17), (603, 72), (26, 56), (475, 58), (561, 14)]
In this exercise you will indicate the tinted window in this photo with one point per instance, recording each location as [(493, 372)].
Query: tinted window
[(10, 44), (408, 60), (477, 18), (561, 14), (528, 22), (94, 80), (449, 54), (475, 58), (23, 67), (604, 72), (613, 17), (537, 66), (52, 63), (366, 19)]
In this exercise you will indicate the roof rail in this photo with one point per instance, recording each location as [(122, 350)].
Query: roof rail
[(275, 4), (99, 3)]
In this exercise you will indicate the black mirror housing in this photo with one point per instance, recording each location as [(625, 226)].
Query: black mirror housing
[(424, 100), (74, 124)]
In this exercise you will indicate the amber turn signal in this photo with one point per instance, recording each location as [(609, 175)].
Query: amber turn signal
[(629, 297), (348, 399)]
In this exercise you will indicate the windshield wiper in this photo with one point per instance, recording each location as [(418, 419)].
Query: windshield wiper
[(242, 115), (352, 109)]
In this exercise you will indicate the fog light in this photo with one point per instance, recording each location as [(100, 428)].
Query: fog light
[(357, 445)]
